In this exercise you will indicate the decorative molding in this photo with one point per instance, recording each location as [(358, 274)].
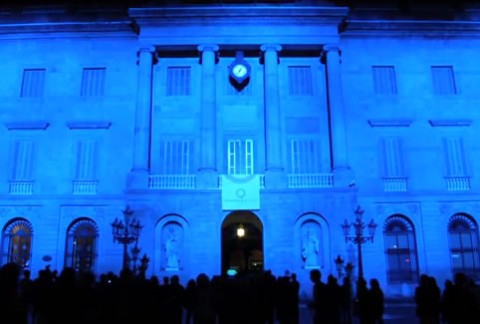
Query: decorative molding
[(97, 213), (27, 125), (88, 125), (28, 212), (450, 122), (390, 122)]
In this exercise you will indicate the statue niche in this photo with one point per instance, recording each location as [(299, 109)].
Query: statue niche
[(172, 238), (311, 249)]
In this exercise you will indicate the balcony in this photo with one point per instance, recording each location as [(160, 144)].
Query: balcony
[(84, 187), (21, 187), (394, 184), (457, 183), (310, 180), (171, 181)]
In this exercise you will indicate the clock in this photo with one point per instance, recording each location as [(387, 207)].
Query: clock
[(239, 70)]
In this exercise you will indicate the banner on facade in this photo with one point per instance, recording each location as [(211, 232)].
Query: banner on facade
[(240, 192)]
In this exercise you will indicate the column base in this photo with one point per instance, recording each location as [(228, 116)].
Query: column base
[(343, 177), (207, 179), (276, 179), (138, 179)]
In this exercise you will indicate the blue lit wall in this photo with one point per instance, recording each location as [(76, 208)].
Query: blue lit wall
[(351, 123)]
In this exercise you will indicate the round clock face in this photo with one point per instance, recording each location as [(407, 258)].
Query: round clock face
[(239, 70)]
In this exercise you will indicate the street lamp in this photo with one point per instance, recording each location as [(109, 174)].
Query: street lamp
[(126, 232), (359, 238)]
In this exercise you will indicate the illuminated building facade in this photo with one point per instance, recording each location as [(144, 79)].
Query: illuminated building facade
[(274, 119)]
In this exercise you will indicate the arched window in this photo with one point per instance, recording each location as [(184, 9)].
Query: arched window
[(401, 250), (463, 239), (81, 250), (17, 242)]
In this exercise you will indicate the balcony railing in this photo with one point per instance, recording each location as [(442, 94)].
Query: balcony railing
[(458, 183), (19, 187), (394, 184), (85, 187), (310, 180), (171, 181), (261, 180)]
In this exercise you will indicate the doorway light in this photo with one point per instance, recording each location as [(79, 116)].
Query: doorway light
[(240, 231)]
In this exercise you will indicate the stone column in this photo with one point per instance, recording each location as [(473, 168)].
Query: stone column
[(138, 178), (342, 173), (207, 176), (274, 173)]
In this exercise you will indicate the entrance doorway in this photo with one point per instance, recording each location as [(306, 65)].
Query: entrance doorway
[(242, 243)]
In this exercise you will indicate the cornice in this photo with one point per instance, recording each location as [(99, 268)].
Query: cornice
[(450, 122), (27, 125), (88, 125), (390, 122), (235, 15), (410, 28), (11, 27)]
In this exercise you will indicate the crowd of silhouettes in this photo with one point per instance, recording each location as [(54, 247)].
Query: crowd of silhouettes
[(256, 298), (458, 302), (75, 297)]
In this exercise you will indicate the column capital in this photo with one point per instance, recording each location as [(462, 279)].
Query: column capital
[(271, 47), (207, 47), (332, 48), (146, 49)]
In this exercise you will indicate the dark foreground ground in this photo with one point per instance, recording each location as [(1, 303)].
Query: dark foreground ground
[(396, 312)]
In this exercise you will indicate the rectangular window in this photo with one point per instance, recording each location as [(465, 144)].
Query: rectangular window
[(300, 81), (384, 80), (178, 81), (240, 156), (392, 157), (455, 164), (304, 156), (86, 162), (33, 83), (23, 160), (443, 80), (93, 82), (176, 157)]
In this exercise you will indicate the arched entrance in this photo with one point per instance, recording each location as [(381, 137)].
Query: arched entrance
[(243, 253)]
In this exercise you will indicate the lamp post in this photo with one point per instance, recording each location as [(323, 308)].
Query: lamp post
[(359, 238), (126, 232), (339, 265)]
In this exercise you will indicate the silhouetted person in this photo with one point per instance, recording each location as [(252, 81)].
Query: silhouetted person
[(175, 299), (377, 302), (10, 306), (427, 299), (346, 301), (204, 302), (189, 300), (363, 303), (319, 297), (447, 302), (332, 301), (462, 304)]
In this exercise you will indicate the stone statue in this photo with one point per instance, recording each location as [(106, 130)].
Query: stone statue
[(172, 250), (310, 250)]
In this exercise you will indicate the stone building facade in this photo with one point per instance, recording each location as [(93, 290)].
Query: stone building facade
[(335, 108)]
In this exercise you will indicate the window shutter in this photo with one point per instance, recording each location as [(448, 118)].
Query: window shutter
[(33, 83), (384, 80)]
